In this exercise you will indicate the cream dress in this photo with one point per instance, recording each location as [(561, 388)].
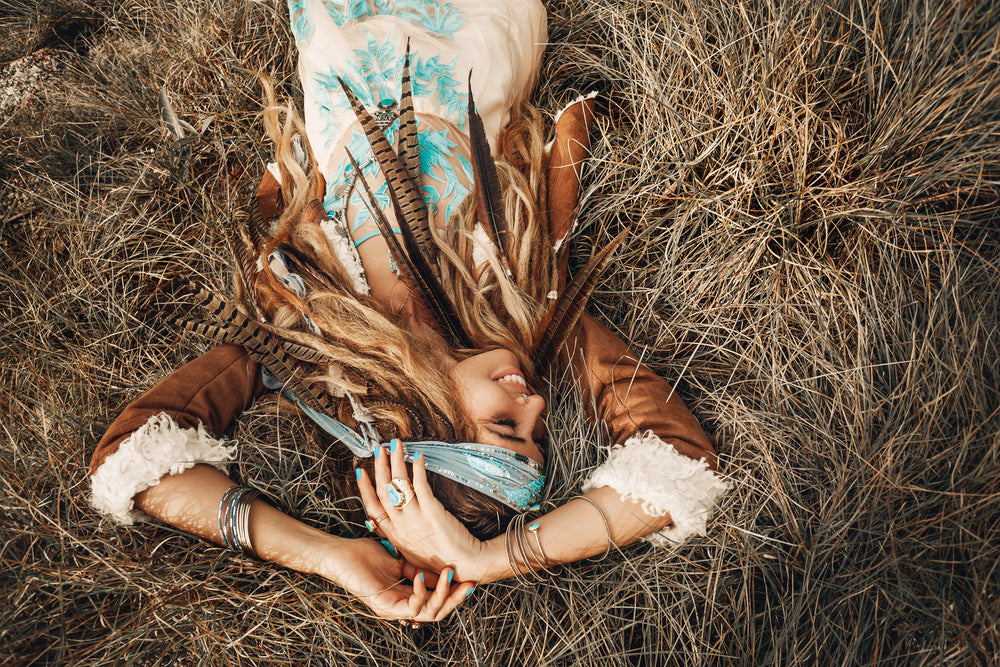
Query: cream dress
[(363, 43)]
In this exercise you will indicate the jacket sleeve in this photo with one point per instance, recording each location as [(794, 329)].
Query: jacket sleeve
[(172, 427), (661, 458)]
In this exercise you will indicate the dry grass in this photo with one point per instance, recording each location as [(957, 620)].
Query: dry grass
[(812, 189)]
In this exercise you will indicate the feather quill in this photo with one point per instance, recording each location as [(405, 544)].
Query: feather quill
[(568, 310)]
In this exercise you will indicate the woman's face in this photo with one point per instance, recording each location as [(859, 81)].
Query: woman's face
[(505, 411)]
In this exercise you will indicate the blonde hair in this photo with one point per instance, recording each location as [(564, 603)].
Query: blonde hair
[(399, 372)]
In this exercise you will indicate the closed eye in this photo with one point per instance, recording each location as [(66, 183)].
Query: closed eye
[(512, 425)]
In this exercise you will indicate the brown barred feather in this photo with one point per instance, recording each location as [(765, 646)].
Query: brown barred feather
[(417, 272), (264, 348), (407, 198), (407, 143), (569, 308), (305, 353), (489, 195)]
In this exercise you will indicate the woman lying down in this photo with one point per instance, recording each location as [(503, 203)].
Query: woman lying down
[(409, 293)]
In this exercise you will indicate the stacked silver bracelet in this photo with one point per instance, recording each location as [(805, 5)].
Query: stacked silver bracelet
[(604, 518), (522, 553), (234, 518)]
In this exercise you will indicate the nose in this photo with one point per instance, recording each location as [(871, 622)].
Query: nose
[(533, 406)]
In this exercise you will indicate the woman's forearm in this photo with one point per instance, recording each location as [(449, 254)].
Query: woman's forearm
[(574, 531), (190, 501)]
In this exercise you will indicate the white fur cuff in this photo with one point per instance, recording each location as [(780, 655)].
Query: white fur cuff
[(158, 448), (651, 472)]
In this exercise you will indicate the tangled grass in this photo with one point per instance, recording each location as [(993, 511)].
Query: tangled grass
[(812, 189)]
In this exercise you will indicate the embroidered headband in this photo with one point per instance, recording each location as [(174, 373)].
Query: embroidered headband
[(508, 477)]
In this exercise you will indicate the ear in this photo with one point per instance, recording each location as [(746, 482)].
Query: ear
[(567, 156)]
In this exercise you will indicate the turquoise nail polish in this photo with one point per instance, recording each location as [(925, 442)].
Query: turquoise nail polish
[(357, 471), (388, 547), (369, 526), (416, 456), (378, 450), (535, 508), (533, 526), (451, 575), (469, 592), (421, 577), (392, 445)]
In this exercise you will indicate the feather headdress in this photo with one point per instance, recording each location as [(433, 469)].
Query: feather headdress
[(417, 255)]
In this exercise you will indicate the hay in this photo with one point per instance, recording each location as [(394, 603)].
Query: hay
[(812, 190)]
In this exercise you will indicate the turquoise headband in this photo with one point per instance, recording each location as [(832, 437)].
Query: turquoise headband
[(511, 478)]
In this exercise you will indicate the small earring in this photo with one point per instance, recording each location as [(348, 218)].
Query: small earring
[(525, 396)]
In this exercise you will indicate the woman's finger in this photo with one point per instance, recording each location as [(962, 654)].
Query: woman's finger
[(440, 595), (419, 597), (410, 571), (397, 460), (370, 500), (382, 475), (458, 595), (420, 485)]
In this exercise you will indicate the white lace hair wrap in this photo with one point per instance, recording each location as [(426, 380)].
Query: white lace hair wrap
[(160, 447), (649, 471)]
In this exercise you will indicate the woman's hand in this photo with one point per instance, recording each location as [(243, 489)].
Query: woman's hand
[(423, 530), (365, 569)]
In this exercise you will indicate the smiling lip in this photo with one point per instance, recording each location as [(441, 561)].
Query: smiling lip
[(520, 383)]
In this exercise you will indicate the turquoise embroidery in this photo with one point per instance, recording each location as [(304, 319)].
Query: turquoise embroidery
[(376, 75), (442, 20), (341, 12), (432, 79), (435, 151), (300, 19), (488, 468)]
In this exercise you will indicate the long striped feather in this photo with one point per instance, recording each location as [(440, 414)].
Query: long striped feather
[(489, 196), (261, 346), (407, 140), (416, 270), (305, 353), (407, 198), (569, 308)]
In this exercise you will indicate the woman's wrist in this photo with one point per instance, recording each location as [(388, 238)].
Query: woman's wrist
[(492, 563), (281, 539)]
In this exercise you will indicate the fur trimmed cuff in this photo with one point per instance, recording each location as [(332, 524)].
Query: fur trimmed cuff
[(581, 98), (649, 471), (158, 448)]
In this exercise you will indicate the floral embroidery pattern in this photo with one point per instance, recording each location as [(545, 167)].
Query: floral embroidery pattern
[(300, 19), (341, 12), (374, 74), (442, 20), (437, 163)]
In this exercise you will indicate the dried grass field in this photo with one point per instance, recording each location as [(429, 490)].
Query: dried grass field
[(814, 260)]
